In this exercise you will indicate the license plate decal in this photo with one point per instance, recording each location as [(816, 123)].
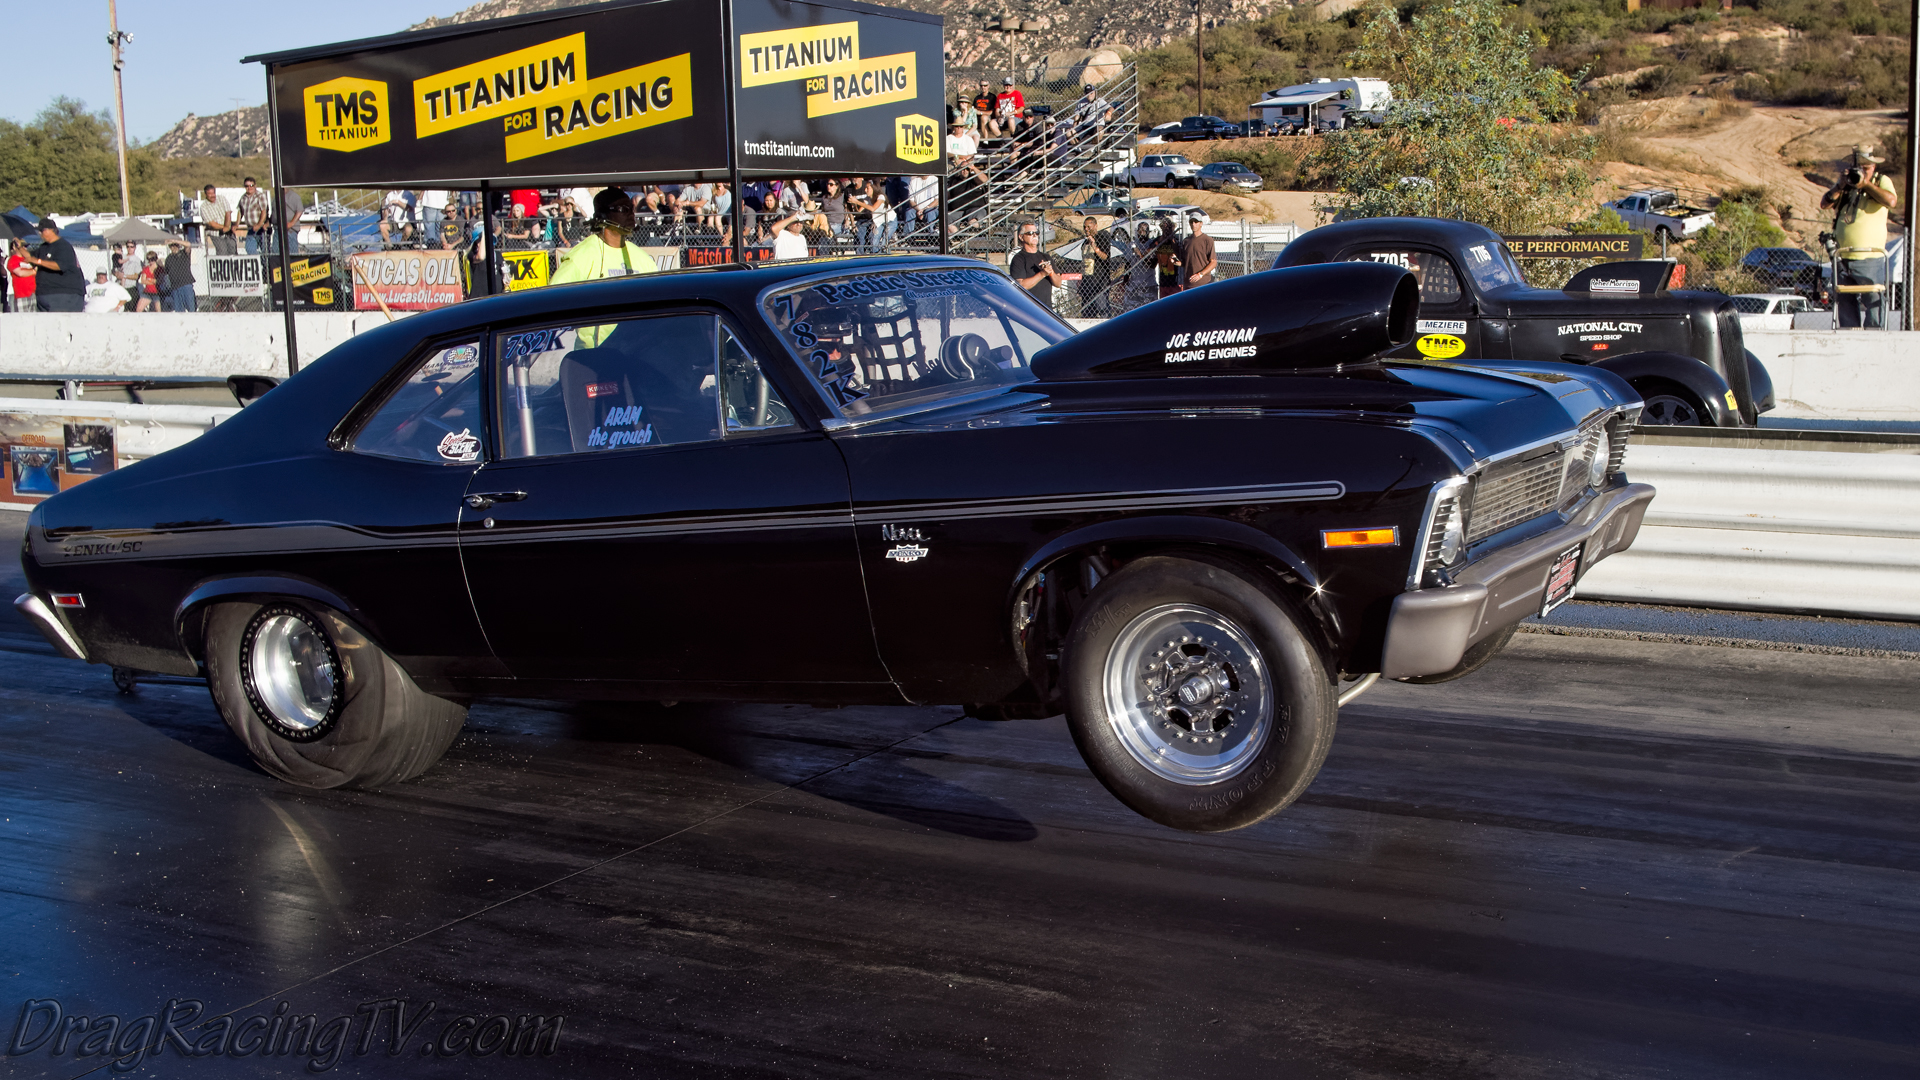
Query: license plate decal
[(1560, 578)]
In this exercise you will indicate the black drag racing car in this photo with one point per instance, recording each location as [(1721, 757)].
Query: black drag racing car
[(870, 481), (1681, 350)]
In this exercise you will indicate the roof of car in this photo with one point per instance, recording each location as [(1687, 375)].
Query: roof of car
[(1321, 244)]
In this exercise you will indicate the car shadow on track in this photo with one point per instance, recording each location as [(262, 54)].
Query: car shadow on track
[(800, 746)]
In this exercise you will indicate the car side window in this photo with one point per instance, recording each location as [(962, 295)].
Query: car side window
[(1439, 283), (574, 389), (434, 415), (750, 402)]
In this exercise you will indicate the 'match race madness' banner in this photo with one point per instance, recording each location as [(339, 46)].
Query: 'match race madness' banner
[(631, 90)]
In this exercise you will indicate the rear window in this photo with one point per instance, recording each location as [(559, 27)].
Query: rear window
[(881, 342)]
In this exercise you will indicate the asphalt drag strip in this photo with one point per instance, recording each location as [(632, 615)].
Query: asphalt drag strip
[(1595, 858)]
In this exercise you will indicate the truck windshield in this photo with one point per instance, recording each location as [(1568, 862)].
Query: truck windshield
[(1491, 266)]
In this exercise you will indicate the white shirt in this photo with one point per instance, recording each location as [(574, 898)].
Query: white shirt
[(789, 245), (961, 146), (582, 199), (104, 298), (921, 191), (434, 199)]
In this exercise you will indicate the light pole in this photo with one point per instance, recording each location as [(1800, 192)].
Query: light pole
[(1008, 25), (239, 136), (115, 39), (1199, 60)]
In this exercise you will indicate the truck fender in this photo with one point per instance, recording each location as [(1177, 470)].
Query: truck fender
[(1684, 371), (259, 587), (1760, 383)]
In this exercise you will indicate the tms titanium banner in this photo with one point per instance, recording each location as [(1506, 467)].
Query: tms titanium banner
[(632, 90), (614, 90), (846, 90)]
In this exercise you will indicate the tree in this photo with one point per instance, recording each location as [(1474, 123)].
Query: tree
[(64, 162), (1470, 134)]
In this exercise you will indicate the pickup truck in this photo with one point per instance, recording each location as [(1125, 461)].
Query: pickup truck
[(1203, 127), (1681, 350), (1162, 170), (1661, 212)]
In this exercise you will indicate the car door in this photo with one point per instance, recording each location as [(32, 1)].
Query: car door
[(1150, 171), (1449, 324), (656, 517)]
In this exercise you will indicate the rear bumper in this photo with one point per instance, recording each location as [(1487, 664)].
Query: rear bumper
[(42, 617), (1430, 630)]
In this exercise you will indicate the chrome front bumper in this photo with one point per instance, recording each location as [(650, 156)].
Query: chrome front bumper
[(1431, 629), (49, 625)]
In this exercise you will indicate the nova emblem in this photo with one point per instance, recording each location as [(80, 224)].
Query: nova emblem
[(907, 553)]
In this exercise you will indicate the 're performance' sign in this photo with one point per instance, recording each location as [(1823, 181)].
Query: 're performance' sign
[(1609, 246)]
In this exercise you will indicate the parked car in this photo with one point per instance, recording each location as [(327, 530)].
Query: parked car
[(1772, 304), (1786, 268), (1163, 170), (1203, 127), (1661, 213), (816, 482), (1227, 176), (1682, 351)]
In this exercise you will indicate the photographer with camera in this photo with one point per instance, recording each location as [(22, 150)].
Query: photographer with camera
[(1860, 202), (1032, 269)]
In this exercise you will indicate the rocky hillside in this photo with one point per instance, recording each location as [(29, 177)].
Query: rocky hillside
[(229, 134), (1067, 31)]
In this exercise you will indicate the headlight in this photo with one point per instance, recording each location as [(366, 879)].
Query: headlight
[(1443, 539), (1598, 463)]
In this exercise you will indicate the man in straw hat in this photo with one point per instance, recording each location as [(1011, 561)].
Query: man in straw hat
[(1860, 201)]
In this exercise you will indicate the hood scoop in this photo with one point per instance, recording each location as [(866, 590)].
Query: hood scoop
[(1295, 320)]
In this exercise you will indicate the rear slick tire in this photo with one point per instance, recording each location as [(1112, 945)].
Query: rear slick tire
[(318, 704), (1194, 696)]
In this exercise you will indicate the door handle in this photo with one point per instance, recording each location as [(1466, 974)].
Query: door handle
[(483, 500)]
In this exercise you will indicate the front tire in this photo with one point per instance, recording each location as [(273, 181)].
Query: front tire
[(1194, 695), (1662, 404), (318, 704)]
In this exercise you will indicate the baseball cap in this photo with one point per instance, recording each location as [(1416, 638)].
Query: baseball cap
[(1008, 81), (47, 223), (1086, 88)]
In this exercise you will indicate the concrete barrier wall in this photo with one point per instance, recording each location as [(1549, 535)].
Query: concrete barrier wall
[(1842, 374), (208, 345)]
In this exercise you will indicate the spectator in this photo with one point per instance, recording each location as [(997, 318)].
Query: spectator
[(720, 214), (60, 284), (1009, 107), (105, 296), (788, 241), (1091, 113), (180, 280), (254, 211), (923, 202), (1062, 140), (834, 205), (149, 283), (216, 217), (983, 105), (527, 199), (961, 145), (571, 226), (1198, 253), (1031, 269), (1141, 273), (22, 275), (433, 216), (899, 193), (1860, 236), (1166, 258), (1096, 256), (394, 218), (962, 111), (606, 252), (516, 233), (885, 220), (694, 201)]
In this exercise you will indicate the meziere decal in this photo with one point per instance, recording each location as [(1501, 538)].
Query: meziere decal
[(604, 107), (347, 114), (785, 55), (495, 87), (863, 84)]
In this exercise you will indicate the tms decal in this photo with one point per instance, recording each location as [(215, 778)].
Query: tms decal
[(347, 114)]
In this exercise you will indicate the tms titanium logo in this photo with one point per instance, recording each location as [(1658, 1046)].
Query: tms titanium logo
[(348, 114), (916, 138)]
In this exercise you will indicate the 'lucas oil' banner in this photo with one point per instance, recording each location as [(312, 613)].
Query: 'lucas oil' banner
[(614, 90), (628, 89)]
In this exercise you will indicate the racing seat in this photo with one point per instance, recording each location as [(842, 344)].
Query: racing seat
[(653, 371)]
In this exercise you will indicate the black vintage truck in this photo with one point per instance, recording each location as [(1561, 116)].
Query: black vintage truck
[(1681, 349)]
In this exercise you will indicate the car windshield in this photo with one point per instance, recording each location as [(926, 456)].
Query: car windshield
[(1491, 266), (880, 342)]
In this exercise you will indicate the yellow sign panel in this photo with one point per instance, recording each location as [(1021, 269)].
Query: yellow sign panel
[(494, 87), (306, 272), (347, 114), (323, 297), (916, 138), (526, 269), (785, 55), (600, 108), (1440, 346), (862, 84)]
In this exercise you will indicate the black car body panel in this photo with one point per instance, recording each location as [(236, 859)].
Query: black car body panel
[(865, 548), (1629, 322)]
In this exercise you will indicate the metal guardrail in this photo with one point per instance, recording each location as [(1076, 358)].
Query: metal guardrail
[(1819, 522)]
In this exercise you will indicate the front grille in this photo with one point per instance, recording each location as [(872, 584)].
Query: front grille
[(1515, 491)]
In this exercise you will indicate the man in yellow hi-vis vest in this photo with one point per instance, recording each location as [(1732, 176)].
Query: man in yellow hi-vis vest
[(606, 252)]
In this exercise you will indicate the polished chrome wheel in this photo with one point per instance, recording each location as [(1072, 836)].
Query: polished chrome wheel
[(1188, 694), (291, 673)]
